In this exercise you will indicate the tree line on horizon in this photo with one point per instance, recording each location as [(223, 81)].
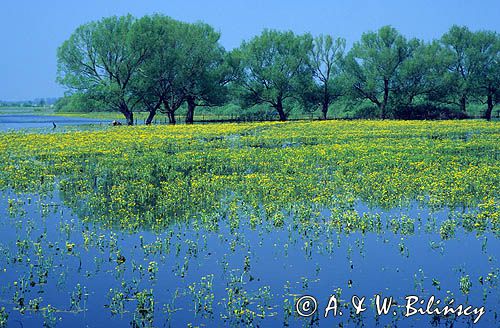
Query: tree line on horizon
[(156, 64)]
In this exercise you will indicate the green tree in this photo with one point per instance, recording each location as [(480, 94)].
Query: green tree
[(100, 60), (326, 58), (458, 42), (473, 65), (274, 67), (374, 63), (186, 65), (485, 82), (160, 78), (77, 102), (205, 72), (424, 75)]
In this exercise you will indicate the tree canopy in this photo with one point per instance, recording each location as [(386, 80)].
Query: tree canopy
[(101, 60), (274, 67), (374, 64), (157, 64), (326, 58)]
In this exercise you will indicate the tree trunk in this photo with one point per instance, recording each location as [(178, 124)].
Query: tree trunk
[(152, 113), (190, 112), (383, 106), (326, 101), (489, 110), (171, 117), (130, 119), (279, 109), (170, 112), (324, 109), (129, 115), (463, 104)]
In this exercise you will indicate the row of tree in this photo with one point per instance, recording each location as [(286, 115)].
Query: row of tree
[(158, 64)]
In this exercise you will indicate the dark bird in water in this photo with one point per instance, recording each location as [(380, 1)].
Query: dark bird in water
[(54, 125)]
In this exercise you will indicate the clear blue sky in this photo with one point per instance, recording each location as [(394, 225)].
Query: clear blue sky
[(31, 30)]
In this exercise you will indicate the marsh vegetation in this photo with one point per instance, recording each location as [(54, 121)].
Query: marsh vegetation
[(228, 224)]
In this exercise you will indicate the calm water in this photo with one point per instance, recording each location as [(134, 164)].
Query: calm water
[(16, 122), (232, 275)]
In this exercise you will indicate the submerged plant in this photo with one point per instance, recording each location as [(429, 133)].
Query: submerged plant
[(465, 284), (144, 311), (79, 296), (203, 296), (49, 317), (34, 304), (447, 229), (4, 317)]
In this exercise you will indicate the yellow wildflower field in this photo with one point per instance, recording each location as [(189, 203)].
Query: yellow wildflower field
[(151, 175)]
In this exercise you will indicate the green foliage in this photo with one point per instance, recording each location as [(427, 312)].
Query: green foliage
[(186, 64), (4, 316), (374, 63), (474, 65), (465, 284), (329, 84), (486, 81), (423, 76), (161, 78), (158, 64), (274, 68), (100, 60), (206, 71), (447, 229), (426, 111), (80, 103), (127, 64)]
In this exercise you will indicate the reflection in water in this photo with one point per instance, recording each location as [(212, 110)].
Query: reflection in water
[(231, 271)]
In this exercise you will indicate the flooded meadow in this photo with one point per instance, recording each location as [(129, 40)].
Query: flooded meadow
[(233, 224)]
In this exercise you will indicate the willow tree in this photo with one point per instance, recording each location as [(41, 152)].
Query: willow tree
[(274, 67), (185, 65), (474, 66), (100, 61), (326, 59), (204, 70), (159, 82), (458, 41), (486, 80), (423, 76), (374, 64)]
